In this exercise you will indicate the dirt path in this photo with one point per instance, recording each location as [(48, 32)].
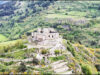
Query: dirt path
[(15, 60)]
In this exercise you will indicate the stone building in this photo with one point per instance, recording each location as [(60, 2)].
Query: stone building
[(45, 36)]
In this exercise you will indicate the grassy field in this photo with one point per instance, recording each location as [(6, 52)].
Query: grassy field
[(9, 42), (56, 16), (60, 16), (3, 38), (77, 13), (19, 55)]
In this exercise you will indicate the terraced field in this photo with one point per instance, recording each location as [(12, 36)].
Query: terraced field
[(3, 38)]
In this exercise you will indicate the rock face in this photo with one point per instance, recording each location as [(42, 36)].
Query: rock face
[(78, 68), (58, 46), (39, 57), (47, 38), (60, 67), (69, 58)]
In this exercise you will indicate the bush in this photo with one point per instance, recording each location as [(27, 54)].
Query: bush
[(57, 52), (22, 46), (70, 48), (35, 61), (9, 56), (46, 73), (22, 67), (2, 55), (86, 69), (57, 58), (42, 62), (3, 68), (44, 51), (66, 13), (8, 63)]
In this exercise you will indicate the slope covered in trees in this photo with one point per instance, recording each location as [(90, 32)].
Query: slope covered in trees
[(77, 21)]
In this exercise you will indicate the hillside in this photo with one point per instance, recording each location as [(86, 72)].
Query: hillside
[(81, 23), (13, 14), (76, 21), (76, 57)]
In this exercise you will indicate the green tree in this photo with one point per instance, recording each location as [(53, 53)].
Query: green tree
[(44, 51), (86, 69)]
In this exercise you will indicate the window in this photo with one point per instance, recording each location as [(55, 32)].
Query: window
[(50, 31), (41, 31), (32, 36), (52, 36)]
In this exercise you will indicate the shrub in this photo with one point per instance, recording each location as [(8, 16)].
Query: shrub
[(44, 51), (46, 73), (35, 61), (2, 55), (66, 13), (22, 67), (8, 63), (3, 68), (32, 50), (86, 69), (57, 52), (42, 62), (9, 56), (70, 48), (22, 46), (57, 58)]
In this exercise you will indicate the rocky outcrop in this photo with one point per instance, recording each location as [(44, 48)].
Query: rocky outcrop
[(60, 67)]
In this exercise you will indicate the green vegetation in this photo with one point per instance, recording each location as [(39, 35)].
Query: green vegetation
[(18, 55), (83, 56), (11, 46), (70, 48), (56, 16), (3, 38), (57, 52), (44, 51), (14, 49), (77, 21), (97, 51), (44, 71), (86, 69), (8, 63), (3, 68), (57, 58)]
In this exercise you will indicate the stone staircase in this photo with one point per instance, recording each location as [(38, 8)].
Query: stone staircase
[(60, 67)]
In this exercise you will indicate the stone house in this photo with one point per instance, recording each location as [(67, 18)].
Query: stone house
[(43, 34)]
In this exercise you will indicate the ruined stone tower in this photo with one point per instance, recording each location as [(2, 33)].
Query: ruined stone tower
[(45, 36)]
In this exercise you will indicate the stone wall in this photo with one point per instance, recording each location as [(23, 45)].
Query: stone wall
[(45, 36)]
